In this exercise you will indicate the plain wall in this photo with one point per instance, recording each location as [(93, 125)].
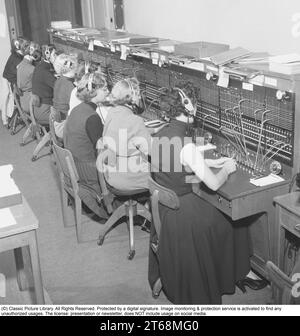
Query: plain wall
[(4, 37), (258, 25)]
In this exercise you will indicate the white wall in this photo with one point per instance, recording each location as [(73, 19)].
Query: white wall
[(259, 25), (4, 37)]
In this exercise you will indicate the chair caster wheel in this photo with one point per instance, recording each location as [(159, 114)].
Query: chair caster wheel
[(34, 158), (131, 255), (12, 133), (22, 144), (100, 241)]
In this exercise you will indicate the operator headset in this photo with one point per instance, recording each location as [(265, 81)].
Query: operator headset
[(134, 91), (189, 109)]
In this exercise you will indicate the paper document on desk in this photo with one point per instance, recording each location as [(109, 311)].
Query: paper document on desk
[(266, 180), (6, 218)]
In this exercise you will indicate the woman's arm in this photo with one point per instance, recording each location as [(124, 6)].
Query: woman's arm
[(194, 159)]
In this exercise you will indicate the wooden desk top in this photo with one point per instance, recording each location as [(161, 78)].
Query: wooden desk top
[(290, 202), (24, 217)]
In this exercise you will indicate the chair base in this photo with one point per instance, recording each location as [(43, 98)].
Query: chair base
[(128, 209)]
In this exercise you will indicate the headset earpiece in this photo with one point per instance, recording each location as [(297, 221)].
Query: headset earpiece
[(186, 102)]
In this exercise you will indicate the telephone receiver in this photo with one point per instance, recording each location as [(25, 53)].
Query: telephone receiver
[(186, 102)]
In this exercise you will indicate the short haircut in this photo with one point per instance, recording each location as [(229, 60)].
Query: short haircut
[(65, 63), (88, 86), (125, 91)]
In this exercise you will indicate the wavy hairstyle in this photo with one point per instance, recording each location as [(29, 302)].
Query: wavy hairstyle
[(65, 63), (88, 86), (125, 91)]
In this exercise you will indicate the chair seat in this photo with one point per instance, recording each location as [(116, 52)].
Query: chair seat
[(127, 193)]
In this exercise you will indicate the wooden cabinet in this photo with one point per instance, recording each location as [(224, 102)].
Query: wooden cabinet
[(288, 226)]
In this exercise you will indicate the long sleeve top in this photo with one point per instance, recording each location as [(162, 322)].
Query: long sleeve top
[(43, 81), (10, 70), (61, 95)]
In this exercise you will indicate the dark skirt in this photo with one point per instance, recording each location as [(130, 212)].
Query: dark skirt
[(202, 253), (89, 187), (42, 114)]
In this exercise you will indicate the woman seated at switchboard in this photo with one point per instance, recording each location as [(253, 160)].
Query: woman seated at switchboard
[(65, 67), (10, 79), (86, 68), (32, 55), (43, 81), (127, 138), (201, 253), (82, 130)]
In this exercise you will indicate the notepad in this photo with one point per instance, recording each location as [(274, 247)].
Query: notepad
[(266, 180)]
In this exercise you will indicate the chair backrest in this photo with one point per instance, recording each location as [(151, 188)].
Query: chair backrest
[(102, 158), (281, 284), (164, 196), (34, 101), (53, 135), (16, 95), (65, 161)]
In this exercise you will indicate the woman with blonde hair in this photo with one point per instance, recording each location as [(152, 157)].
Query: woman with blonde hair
[(130, 137), (82, 130), (65, 67)]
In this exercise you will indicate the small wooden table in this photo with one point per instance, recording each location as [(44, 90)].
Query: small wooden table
[(16, 237)]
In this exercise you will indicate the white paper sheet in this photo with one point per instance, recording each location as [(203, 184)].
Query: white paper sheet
[(6, 218), (267, 180)]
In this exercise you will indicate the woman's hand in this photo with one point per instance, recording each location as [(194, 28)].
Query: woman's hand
[(217, 163), (230, 166)]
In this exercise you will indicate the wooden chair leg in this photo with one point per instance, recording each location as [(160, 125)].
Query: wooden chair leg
[(78, 211), (36, 269), (119, 213), (40, 146), (144, 212), (22, 278)]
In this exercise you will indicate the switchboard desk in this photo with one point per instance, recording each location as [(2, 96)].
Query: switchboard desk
[(252, 118)]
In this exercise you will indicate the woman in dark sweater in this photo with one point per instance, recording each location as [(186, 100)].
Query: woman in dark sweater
[(43, 81), (32, 54), (202, 252), (82, 130), (10, 79), (10, 70)]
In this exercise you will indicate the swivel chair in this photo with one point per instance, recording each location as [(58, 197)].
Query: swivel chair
[(128, 209), (165, 197)]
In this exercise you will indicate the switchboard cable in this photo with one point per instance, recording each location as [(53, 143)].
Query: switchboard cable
[(262, 125), (241, 129), (235, 134), (225, 132), (265, 158)]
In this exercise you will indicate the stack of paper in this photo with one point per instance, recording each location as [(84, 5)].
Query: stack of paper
[(267, 180), (287, 64), (61, 24), (9, 192)]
